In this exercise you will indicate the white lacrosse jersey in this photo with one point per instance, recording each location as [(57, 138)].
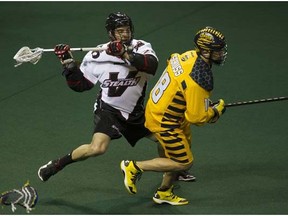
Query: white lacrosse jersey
[(121, 84)]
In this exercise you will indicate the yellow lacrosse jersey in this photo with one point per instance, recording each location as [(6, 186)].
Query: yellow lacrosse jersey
[(181, 94)]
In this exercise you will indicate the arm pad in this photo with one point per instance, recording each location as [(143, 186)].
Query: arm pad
[(75, 78), (146, 63)]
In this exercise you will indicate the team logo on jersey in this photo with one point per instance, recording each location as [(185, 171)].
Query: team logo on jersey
[(120, 82), (116, 86)]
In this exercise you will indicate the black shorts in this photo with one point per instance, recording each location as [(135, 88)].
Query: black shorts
[(109, 121)]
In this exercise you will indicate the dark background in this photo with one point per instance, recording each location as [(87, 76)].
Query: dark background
[(240, 162)]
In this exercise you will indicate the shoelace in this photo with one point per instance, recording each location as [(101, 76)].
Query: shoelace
[(172, 195), (136, 176)]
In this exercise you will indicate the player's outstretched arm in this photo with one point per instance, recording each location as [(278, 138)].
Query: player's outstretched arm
[(74, 77)]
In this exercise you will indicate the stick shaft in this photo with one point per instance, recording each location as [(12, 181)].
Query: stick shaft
[(256, 101), (85, 49)]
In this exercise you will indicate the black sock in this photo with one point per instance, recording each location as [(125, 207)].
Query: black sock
[(163, 188), (65, 160)]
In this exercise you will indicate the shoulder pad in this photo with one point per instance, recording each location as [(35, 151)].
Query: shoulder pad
[(202, 74)]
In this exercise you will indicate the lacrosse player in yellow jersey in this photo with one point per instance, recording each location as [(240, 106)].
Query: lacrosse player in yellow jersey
[(180, 99)]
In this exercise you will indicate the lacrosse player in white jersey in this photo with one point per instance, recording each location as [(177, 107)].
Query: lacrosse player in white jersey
[(122, 71)]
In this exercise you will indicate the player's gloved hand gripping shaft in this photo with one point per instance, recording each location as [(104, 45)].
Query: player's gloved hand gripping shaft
[(71, 71), (62, 51), (219, 109), (116, 48)]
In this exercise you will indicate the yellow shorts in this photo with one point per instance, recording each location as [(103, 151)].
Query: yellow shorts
[(177, 144)]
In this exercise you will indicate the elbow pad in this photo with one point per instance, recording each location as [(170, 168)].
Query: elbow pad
[(146, 63), (71, 68), (75, 78)]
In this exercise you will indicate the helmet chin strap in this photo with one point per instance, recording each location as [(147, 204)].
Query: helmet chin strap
[(220, 61), (208, 58), (217, 62)]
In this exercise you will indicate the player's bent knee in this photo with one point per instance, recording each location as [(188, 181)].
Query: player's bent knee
[(186, 166), (99, 144), (96, 150)]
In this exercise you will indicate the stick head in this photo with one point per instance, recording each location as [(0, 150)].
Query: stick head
[(25, 54), (25, 197)]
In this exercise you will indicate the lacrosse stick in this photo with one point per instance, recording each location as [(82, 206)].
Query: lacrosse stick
[(256, 101), (25, 54), (26, 197)]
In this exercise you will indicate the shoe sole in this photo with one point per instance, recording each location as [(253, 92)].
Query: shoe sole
[(39, 170), (129, 189), (159, 201)]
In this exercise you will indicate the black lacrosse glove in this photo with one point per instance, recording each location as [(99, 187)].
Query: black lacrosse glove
[(116, 48), (62, 51)]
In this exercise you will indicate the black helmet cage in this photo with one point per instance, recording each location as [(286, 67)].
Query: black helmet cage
[(116, 20), (211, 40)]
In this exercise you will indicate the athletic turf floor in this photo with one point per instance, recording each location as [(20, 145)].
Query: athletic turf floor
[(240, 162)]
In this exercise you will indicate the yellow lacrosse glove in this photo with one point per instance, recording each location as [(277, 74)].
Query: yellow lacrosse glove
[(219, 109)]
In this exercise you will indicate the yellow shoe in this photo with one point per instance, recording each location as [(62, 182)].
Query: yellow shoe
[(131, 175), (169, 197)]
